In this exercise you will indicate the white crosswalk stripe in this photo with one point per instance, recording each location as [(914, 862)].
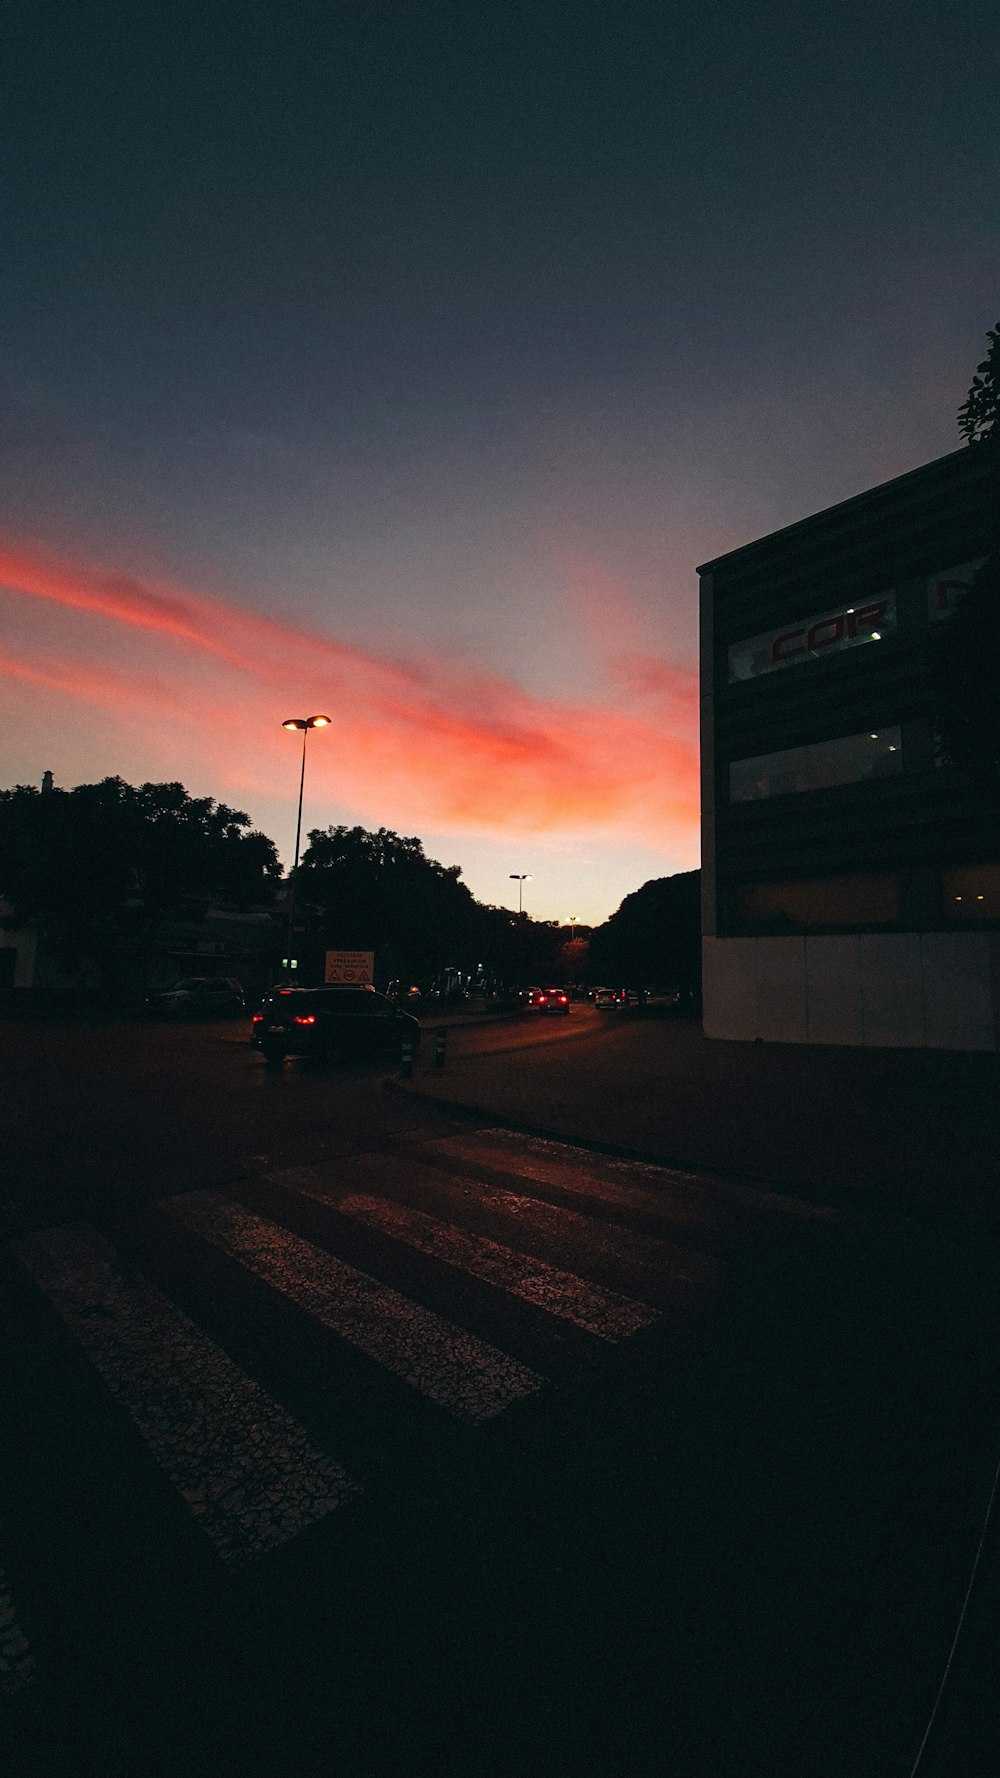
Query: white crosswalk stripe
[(600, 1311), (245, 1467), (467, 1376)]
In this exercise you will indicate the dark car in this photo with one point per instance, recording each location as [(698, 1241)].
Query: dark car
[(548, 1000), (332, 1024), (218, 996)]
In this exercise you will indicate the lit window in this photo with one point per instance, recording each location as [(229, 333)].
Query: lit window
[(850, 759), (972, 892)]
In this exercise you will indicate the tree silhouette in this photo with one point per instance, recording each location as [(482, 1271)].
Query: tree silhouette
[(977, 417), (379, 891), (97, 870), (654, 938)]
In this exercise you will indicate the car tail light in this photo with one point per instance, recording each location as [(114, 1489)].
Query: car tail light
[(563, 1000), (304, 1018), (258, 1018)]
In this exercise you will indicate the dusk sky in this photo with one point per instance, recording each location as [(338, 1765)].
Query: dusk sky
[(401, 362)]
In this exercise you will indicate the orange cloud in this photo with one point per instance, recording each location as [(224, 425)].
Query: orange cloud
[(430, 741)]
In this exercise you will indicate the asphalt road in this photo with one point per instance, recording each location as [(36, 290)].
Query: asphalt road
[(345, 1433)]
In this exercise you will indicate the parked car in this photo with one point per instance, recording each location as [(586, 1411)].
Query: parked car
[(548, 1000), (214, 996), (332, 1024)]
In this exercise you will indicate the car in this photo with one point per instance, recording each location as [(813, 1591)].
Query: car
[(332, 1024), (607, 997), (212, 996), (548, 1000)]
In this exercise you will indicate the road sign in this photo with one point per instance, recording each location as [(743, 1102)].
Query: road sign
[(349, 969)]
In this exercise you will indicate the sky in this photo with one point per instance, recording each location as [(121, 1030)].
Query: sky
[(401, 363)]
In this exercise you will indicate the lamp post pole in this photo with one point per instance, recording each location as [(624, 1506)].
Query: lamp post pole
[(293, 723), (520, 880)]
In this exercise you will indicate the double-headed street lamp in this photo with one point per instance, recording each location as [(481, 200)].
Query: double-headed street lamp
[(305, 723)]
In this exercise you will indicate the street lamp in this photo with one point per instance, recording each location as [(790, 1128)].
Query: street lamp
[(520, 881), (305, 723)]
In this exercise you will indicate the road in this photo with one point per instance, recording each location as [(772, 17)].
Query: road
[(349, 1434)]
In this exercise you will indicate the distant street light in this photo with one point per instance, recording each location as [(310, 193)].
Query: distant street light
[(305, 723)]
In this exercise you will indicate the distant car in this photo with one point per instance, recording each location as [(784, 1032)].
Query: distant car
[(607, 997), (548, 1000), (217, 996), (332, 1024)]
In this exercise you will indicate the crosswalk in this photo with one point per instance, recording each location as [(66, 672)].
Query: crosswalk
[(468, 1274)]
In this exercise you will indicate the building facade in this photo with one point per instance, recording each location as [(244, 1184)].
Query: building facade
[(850, 882)]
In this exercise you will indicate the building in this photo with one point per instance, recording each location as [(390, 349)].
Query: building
[(850, 882)]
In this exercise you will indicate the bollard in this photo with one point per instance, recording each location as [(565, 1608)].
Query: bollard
[(406, 1060), (440, 1039)]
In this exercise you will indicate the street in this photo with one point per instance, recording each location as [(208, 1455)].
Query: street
[(348, 1432)]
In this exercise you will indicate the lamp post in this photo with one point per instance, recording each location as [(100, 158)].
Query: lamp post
[(305, 723), (520, 879)]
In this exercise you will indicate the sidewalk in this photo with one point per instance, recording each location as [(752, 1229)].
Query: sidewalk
[(911, 1129)]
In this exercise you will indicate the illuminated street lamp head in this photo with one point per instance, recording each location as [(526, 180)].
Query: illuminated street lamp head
[(294, 722)]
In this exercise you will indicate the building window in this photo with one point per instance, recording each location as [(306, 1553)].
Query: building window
[(945, 589), (809, 638), (971, 892), (851, 759), (820, 902)]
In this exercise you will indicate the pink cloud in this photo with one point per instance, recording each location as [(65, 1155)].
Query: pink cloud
[(430, 741)]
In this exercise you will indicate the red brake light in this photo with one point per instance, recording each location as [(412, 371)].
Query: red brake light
[(563, 1000), (258, 1018), (304, 1018)]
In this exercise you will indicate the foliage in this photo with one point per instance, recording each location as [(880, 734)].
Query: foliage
[(977, 417), (379, 891), (654, 938), (98, 869)]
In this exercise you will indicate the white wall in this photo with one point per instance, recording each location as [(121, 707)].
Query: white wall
[(933, 990)]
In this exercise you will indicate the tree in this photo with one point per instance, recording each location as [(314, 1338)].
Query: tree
[(379, 891), (97, 870), (654, 938), (977, 417)]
